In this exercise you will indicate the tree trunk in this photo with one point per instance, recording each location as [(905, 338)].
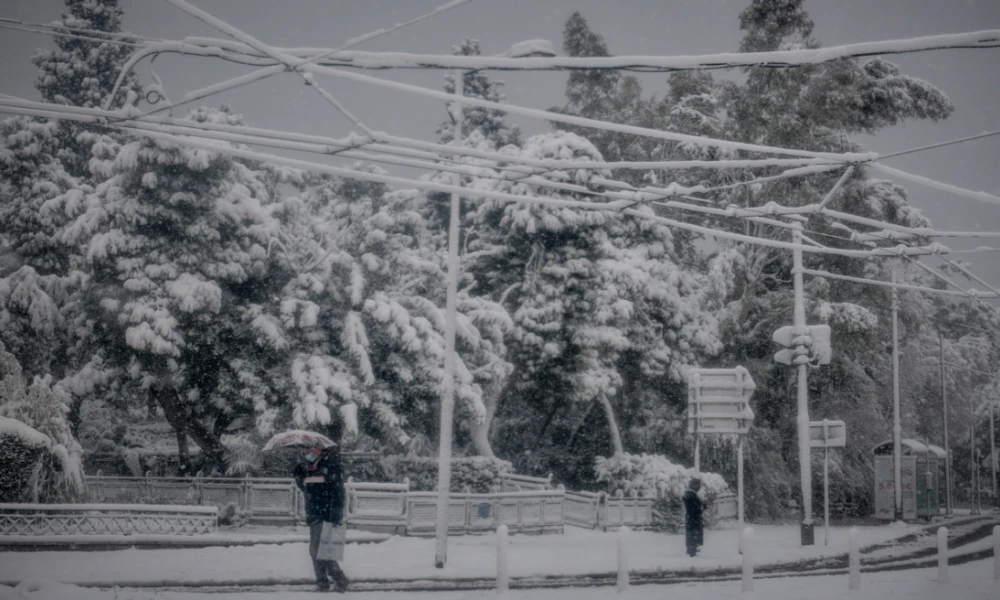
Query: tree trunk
[(609, 413), (183, 455), (481, 433), (182, 421), (579, 427)]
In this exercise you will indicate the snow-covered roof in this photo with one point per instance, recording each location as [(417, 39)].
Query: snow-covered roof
[(910, 448), (26, 434)]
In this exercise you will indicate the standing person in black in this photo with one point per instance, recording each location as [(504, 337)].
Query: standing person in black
[(321, 479), (694, 525)]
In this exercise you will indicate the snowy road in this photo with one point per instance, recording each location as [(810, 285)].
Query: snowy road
[(576, 552), (969, 582)]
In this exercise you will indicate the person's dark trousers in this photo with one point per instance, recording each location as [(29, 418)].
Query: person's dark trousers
[(324, 569), (320, 567)]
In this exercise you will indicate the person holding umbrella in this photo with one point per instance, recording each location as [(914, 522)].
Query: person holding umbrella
[(321, 480)]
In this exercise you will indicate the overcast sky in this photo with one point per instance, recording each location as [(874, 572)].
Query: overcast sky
[(652, 27)]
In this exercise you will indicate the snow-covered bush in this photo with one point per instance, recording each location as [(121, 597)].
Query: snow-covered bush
[(22, 448), (478, 473), (36, 415), (655, 476)]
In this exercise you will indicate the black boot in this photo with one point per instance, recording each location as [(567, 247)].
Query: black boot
[(340, 580)]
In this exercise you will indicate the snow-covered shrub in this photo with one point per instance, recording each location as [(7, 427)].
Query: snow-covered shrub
[(655, 476), (22, 449), (244, 455), (478, 473), (232, 515), (37, 415)]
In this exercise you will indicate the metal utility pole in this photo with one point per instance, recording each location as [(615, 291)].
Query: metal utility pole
[(993, 455), (826, 496), (947, 451), (802, 421), (448, 395), (897, 428), (972, 464)]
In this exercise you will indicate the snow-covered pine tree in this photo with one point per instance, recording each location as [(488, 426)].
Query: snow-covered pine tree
[(596, 298), (489, 121), (178, 243), (368, 321), (609, 96), (81, 71), (39, 283)]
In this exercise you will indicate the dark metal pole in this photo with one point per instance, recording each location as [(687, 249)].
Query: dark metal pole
[(947, 459)]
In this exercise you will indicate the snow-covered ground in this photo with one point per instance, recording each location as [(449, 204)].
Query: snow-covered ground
[(971, 581), (576, 552)]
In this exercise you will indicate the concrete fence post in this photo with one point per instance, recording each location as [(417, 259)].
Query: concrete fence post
[(942, 543), (747, 584), (996, 556), (503, 571), (854, 561), (622, 560)]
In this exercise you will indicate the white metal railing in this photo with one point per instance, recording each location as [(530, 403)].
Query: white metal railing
[(106, 519), (724, 507), (540, 511), (621, 510), (394, 506), (380, 505), (511, 482), (583, 509)]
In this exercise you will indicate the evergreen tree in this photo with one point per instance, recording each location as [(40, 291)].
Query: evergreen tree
[(83, 72), (177, 244), (367, 322), (489, 121), (602, 309), (607, 95)]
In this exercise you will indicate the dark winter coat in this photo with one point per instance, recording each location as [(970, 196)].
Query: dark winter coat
[(694, 526), (323, 485)]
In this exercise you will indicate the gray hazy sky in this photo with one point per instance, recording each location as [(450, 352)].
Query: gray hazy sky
[(656, 27)]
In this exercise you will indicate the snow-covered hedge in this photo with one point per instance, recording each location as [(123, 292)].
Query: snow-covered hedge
[(478, 473), (654, 475)]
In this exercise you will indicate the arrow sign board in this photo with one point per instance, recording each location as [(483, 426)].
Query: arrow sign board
[(827, 434), (719, 401)]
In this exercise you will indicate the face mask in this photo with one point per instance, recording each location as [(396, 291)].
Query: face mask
[(310, 457)]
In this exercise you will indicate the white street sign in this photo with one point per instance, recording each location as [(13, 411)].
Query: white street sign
[(719, 401), (827, 434)]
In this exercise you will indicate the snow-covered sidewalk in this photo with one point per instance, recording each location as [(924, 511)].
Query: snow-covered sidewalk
[(244, 536), (576, 552)]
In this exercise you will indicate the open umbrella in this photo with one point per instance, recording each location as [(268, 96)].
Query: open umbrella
[(298, 438)]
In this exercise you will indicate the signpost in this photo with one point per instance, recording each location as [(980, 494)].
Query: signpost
[(719, 403), (827, 434)]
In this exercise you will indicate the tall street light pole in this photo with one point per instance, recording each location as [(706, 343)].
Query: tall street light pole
[(897, 429), (947, 451), (520, 50), (448, 395), (802, 419)]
